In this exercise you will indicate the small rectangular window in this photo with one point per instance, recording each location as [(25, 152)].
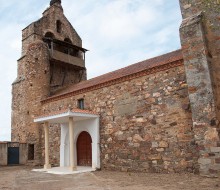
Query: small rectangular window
[(30, 151), (81, 104)]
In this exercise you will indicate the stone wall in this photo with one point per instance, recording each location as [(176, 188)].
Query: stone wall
[(210, 27), (27, 94), (23, 153), (162, 122), (54, 145), (35, 83), (145, 123), (47, 23), (3, 154), (37, 78), (199, 32)]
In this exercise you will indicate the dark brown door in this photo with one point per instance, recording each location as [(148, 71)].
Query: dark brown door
[(84, 149)]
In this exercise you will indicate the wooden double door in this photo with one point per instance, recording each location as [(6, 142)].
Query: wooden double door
[(84, 149)]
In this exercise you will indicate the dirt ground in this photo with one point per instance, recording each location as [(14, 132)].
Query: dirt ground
[(22, 178)]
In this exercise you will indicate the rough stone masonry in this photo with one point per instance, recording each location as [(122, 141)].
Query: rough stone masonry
[(199, 32), (159, 115)]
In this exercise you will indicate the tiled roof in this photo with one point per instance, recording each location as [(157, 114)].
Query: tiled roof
[(118, 74), (66, 111), (10, 142), (4, 142), (83, 111)]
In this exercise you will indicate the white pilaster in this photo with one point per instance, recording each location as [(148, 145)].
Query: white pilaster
[(72, 147)]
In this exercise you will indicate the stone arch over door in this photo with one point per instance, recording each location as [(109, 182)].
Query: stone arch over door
[(84, 149)]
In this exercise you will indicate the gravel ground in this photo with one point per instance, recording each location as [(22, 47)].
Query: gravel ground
[(22, 178)]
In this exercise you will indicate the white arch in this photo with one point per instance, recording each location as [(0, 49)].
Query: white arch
[(76, 135), (92, 127), (67, 150)]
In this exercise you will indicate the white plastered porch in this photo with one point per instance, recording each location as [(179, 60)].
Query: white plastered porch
[(72, 123)]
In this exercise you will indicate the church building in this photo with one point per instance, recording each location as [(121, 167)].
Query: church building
[(158, 115)]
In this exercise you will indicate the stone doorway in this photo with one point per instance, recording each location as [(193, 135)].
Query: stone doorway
[(84, 149)]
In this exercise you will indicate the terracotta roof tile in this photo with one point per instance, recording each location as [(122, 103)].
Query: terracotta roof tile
[(126, 71), (65, 111), (52, 113), (4, 142), (84, 111)]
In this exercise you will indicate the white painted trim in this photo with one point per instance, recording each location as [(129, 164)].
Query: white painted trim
[(83, 122), (92, 127), (63, 144), (64, 115)]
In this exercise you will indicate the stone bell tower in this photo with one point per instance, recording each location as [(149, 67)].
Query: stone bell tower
[(200, 38), (52, 58)]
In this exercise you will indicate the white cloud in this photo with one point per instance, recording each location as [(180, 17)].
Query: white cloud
[(117, 33)]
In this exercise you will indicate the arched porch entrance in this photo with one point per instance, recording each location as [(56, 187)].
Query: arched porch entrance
[(84, 149), (79, 141)]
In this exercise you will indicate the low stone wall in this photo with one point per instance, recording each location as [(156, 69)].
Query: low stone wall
[(3, 154), (23, 153)]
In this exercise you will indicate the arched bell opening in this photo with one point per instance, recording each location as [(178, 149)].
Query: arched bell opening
[(49, 35), (68, 40)]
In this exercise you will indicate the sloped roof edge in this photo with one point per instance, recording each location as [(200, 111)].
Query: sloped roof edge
[(149, 66)]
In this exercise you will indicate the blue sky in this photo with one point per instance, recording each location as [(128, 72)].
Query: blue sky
[(117, 33)]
